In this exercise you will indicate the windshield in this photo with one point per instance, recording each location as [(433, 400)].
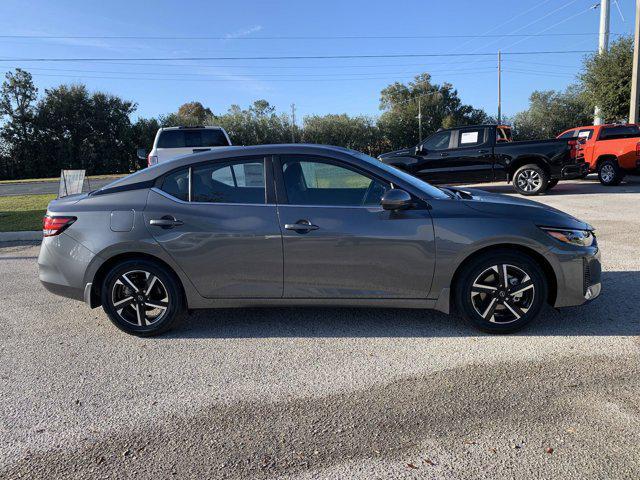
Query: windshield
[(429, 189)]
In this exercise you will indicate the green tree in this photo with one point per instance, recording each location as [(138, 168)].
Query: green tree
[(607, 80), (144, 132), (440, 107), (551, 112), (257, 125), (17, 108), (358, 133)]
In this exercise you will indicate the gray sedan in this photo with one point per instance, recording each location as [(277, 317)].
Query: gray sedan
[(309, 225)]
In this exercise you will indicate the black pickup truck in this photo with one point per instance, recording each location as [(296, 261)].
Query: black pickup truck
[(485, 153)]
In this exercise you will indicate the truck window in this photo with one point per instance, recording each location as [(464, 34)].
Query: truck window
[(471, 138), (587, 133), (438, 141), (619, 131), (206, 137), (569, 134)]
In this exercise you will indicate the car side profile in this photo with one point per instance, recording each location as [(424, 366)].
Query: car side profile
[(309, 225)]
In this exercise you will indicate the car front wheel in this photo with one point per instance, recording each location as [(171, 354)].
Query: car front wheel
[(501, 292), (530, 180), (142, 298)]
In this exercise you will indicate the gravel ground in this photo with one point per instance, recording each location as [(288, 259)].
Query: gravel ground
[(329, 393)]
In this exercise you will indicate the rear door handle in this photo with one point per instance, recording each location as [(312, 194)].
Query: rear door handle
[(166, 222), (196, 150), (301, 226)]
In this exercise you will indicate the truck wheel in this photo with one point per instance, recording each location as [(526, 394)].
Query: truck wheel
[(530, 180), (552, 183), (609, 173)]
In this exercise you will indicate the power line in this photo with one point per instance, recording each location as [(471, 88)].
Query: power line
[(287, 57), (318, 37)]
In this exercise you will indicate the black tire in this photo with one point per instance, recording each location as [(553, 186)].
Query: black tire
[(165, 293), (475, 303), (552, 183), (530, 180), (609, 173)]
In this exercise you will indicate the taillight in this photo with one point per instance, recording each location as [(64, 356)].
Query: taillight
[(152, 160), (53, 225), (638, 149)]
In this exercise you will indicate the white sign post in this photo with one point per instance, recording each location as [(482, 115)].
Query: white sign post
[(71, 182)]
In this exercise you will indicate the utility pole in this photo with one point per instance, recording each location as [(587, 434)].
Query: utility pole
[(293, 123), (603, 46), (420, 118), (499, 88), (635, 88)]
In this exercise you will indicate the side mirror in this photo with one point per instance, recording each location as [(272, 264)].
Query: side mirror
[(420, 149), (141, 153), (396, 199)]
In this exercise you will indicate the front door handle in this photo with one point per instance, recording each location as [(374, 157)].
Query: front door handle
[(444, 154), (301, 226), (166, 222), (483, 151)]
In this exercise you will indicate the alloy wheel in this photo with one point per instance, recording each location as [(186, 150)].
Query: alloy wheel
[(607, 173), (529, 180), (502, 293), (140, 298)]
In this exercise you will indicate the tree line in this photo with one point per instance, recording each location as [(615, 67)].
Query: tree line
[(69, 127)]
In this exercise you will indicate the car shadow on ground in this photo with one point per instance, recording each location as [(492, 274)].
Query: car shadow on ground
[(615, 312), (589, 185)]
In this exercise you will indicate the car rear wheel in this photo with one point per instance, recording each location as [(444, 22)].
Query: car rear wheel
[(142, 298), (530, 180), (609, 173), (501, 292)]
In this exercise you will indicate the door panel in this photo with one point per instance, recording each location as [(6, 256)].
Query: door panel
[(339, 243), (357, 252)]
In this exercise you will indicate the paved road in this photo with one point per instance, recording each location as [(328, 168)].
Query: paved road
[(31, 188), (329, 393)]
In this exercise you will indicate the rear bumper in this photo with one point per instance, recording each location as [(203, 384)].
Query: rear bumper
[(574, 171), (62, 264)]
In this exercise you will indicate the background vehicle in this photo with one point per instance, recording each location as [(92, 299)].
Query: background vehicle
[(612, 151), (172, 142), (309, 225), (485, 153)]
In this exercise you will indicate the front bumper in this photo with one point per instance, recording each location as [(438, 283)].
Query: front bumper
[(579, 276), (575, 171)]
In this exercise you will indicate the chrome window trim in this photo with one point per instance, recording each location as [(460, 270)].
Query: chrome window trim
[(177, 200)]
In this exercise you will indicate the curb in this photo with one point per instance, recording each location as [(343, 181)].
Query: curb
[(20, 236)]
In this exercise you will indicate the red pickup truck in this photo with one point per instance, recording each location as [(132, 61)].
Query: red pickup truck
[(612, 151)]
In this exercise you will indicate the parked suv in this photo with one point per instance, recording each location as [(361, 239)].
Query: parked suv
[(313, 225), (485, 153), (612, 151), (172, 142)]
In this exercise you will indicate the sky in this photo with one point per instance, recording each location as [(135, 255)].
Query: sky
[(302, 28)]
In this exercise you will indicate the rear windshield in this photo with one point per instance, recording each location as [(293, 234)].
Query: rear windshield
[(620, 131), (205, 137)]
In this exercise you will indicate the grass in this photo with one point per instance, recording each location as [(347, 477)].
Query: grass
[(57, 179), (23, 212)]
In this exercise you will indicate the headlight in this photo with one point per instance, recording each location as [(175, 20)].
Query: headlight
[(581, 238)]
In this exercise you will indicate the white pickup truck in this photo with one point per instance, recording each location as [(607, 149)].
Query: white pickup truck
[(172, 142)]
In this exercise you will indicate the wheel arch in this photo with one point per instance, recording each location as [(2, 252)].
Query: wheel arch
[(605, 157), (107, 265), (527, 160), (547, 269)]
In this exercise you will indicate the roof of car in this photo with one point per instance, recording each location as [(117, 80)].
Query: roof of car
[(192, 127), (155, 171)]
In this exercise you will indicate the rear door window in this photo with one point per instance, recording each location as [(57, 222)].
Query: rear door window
[(619, 131), (176, 184), (471, 137), (240, 181), (205, 137)]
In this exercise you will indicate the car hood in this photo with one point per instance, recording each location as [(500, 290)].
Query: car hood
[(518, 208)]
